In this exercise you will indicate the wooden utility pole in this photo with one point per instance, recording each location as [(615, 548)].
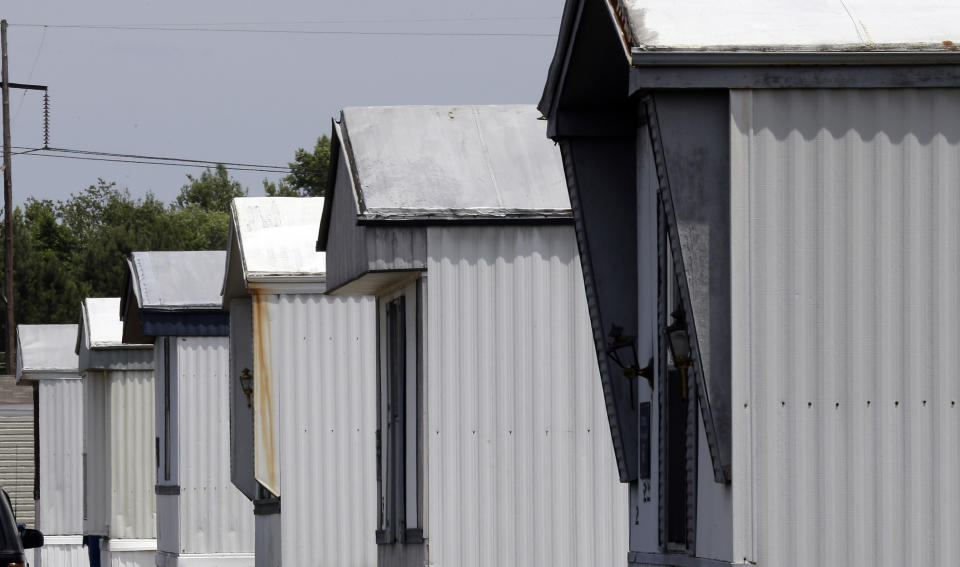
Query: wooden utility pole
[(8, 209)]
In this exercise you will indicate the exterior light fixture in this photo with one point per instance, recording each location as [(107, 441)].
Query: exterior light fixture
[(246, 384), (630, 368), (679, 341)]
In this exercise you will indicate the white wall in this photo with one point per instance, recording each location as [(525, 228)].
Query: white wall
[(215, 517), (323, 366), (60, 508), (521, 469), (846, 325)]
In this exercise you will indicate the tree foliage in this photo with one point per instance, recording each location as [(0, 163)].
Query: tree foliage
[(212, 191), (308, 173), (68, 250)]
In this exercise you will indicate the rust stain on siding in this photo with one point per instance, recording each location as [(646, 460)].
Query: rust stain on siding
[(263, 392)]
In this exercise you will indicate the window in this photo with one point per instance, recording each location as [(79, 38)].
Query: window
[(399, 431)]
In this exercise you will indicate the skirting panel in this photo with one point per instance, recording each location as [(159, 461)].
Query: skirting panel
[(165, 559), (62, 555)]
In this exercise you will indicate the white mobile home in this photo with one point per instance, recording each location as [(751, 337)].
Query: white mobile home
[(766, 198), (493, 443), (173, 298), (45, 355), (118, 438), (303, 392)]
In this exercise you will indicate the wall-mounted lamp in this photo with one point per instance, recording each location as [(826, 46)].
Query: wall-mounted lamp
[(246, 384), (631, 368), (679, 341)]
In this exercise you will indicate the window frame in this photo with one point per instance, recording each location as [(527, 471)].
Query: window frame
[(400, 440)]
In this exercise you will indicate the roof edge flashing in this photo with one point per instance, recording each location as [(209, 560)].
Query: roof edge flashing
[(852, 55)]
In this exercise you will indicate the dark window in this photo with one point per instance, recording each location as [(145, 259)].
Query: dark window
[(398, 443)]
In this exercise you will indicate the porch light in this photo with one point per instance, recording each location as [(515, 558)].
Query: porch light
[(679, 341), (630, 368), (246, 384)]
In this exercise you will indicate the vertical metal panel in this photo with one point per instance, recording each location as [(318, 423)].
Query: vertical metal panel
[(848, 323), (16, 459), (61, 457), (324, 358), (520, 459), (96, 467), (168, 523), (215, 517), (266, 391), (62, 555), (269, 542), (132, 455)]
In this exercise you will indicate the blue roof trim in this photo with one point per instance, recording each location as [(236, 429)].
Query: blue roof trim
[(206, 323)]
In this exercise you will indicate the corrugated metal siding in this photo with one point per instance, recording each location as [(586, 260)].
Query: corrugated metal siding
[(96, 497), (520, 458), (132, 455), (324, 360), (16, 460), (132, 559), (61, 457), (62, 555), (215, 517), (846, 326)]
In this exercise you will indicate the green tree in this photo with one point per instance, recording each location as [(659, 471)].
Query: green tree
[(212, 191), (308, 173)]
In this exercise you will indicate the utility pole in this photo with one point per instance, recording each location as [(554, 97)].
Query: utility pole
[(8, 209), (8, 201)]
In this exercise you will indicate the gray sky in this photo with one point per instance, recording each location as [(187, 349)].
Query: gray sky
[(246, 97)]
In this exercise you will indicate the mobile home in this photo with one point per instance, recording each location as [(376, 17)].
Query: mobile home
[(46, 356), (765, 198), (118, 438), (304, 393), (492, 446), (173, 299)]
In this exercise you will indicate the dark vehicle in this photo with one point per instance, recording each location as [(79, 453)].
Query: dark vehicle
[(12, 540)]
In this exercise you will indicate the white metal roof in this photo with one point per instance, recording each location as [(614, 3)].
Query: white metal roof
[(102, 327), (178, 280), (810, 24), (412, 161), (46, 349), (276, 236)]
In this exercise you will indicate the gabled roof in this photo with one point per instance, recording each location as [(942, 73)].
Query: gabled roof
[(449, 164), (174, 294), (102, 327), (818, 25), (47, 351), (100, 339), (271, 241), (181, 280)]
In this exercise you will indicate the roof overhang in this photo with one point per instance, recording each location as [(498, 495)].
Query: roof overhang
[(377, 282)]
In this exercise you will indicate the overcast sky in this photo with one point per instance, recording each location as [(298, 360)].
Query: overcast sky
[(247, 97)]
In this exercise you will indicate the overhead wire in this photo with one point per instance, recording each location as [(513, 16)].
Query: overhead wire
[(90, 155), (189, 28), (331, 22)]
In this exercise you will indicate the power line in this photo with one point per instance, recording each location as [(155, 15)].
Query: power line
[(90, 155), (120, 27), (327, 22)]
